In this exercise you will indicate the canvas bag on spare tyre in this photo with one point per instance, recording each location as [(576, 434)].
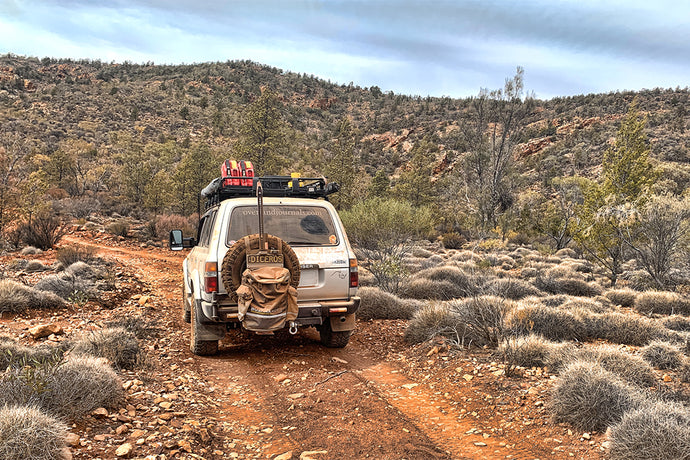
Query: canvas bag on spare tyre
[(265, 300)]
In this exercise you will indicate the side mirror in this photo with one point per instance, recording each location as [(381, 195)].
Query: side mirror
[(176, 240)]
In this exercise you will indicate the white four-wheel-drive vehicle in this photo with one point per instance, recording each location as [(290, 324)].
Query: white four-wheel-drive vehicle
[(250, 253)]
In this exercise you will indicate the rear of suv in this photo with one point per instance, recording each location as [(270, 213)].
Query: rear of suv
[(296, 211)]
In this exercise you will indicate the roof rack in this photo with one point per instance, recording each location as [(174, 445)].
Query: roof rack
[(273, 186)]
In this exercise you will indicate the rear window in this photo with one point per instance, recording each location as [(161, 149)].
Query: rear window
[(296, 225)]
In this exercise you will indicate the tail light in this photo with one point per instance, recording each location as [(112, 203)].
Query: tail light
[(354, 274), (211, 277)]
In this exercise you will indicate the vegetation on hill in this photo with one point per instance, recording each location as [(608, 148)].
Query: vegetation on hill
[(141, 140)]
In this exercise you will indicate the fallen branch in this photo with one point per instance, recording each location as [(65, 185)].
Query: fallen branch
[(331, 377)]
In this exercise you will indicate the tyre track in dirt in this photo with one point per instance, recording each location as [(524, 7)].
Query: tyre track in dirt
[(276, 394)]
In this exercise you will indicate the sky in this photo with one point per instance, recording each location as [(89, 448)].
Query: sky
[(432, 47)]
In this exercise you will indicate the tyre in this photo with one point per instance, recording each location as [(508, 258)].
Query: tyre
[(200, 347), (234, 262), (331, 338), (186, 308)]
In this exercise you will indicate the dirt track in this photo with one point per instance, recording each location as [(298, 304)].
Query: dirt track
[(261, 397)]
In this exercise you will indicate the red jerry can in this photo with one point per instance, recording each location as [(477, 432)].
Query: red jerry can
[(247, 171), (228, 170)]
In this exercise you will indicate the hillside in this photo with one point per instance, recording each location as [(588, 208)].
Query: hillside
[(95, 120)]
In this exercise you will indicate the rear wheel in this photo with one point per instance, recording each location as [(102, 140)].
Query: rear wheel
[(200, 347), (331, 338)]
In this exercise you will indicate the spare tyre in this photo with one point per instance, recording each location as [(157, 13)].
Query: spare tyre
[(235, 261)]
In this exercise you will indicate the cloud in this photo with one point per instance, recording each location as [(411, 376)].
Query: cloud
[(419, 47)]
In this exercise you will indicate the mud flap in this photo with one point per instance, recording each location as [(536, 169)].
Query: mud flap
[(343, 323), (207, 331)]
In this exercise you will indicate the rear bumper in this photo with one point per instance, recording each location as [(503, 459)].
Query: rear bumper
[(311, 313)]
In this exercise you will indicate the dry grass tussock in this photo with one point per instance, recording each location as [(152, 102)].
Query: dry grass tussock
[(536, 351), (66, 389), (117, 345), (35, 266), (662, 302), (566, 285), (624, 297), (27, 433), (511, 288), (14, 354), (659, 430), (589, 397), (378, 304), (631, 368), (78, 277), (30, 251), (475, 321), (442, 283), (566, 252), (663, 355), (593, 305), (677, 323), (551, 323), (16, 298)]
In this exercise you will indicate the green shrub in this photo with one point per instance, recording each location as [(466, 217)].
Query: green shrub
[(117, 345), (589, 397), (430, 320), (119, 228), (378, 304), (662, 302), (662, 355), (27, 433), (659, 430), (624, 297)]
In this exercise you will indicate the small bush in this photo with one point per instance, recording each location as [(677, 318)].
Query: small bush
[(453, 240), (658, 430), (117, 345), (119, 228), (44, 231), (589, 397), (63, 285), (624, 297), (27, 433), (662, 355), (630, 368), (68, 255), (430, 320), (30, 251), (167, 222), (378, 304), (511, 288), (667, 303), (551, 323), (14, 354)]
